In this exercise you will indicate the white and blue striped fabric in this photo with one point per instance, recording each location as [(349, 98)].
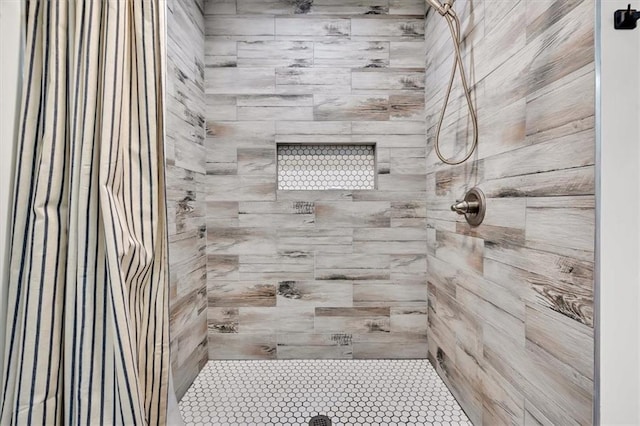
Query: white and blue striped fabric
[(87, 325)]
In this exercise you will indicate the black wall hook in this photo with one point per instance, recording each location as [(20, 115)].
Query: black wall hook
[(625, 19)]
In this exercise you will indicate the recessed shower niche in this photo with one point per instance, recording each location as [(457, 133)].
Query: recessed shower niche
[(323, 167)]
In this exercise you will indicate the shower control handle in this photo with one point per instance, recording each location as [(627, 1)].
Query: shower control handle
[(464, 207), (473, 206)]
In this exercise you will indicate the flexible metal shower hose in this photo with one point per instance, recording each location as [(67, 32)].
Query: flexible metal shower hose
[(454, 27)]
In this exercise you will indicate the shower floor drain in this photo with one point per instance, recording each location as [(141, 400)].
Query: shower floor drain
[(320, 421)]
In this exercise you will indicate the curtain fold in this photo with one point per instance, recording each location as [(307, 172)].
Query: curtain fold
[(87, 327)]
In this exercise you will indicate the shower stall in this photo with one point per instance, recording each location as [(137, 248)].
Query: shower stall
[(309, 214)]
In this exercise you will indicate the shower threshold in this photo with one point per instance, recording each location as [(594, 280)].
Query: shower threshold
[(349, 392)]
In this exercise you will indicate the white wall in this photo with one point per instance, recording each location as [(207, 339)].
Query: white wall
[(619, 222), (10, 58)]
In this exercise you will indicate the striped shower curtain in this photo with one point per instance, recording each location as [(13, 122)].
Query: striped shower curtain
[(87, 327)]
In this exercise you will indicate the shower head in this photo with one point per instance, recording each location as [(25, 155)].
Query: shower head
[(442, 8)]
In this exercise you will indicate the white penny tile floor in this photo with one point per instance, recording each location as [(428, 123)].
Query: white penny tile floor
[(349, 392)]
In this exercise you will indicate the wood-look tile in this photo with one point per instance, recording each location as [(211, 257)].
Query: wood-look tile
[(220, 52), (254, 320), (268, 113), (351, 54), (352, 320), (185, 189), (269, 7), (252, 161), (406, 7), (313, 80), (388, 234), (227, 135), (383, 350), (295, 319), (506, 402), (275, 54), (504, 126), (460, 251), (389, 247), (567, 340), (388, 128), (311, 28), (242, 346), (298, 294), (222, 320), (296, 266), (402, 182), (565, 298), (386, 195), (557, 267), (352, 267), (220, 7), (240, 25), (388, 79), (389, 345), (393, 29), (389, 294), (222, 267), (276, 221), (239, 80), (406, 54), (406, 107), (353, 215), (349, 7), (568, 182), (315, 346), (242, 188), (501, 41), (533, 416), (231, 294), (317, 7), (220, 108), (312, 196), (542, 381), (329, 240), (408, 266), (313, 128), (571, 151), (236, 241), (350, 107), (543, 14), (222, 210), (274, 101), (562, 230), (553, 105), (290, 79), (409, 320), (564, 47)]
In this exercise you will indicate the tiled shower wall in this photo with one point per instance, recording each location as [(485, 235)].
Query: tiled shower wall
[(185, 173), (511, 301), (315, 274)]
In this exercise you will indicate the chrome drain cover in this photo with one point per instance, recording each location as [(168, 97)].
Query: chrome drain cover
[(320, 421)]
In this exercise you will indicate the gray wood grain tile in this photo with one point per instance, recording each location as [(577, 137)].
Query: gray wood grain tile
[(312, 28), (185, 174), (351, 54), (281, 72), (351, 107), (393, 29)]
